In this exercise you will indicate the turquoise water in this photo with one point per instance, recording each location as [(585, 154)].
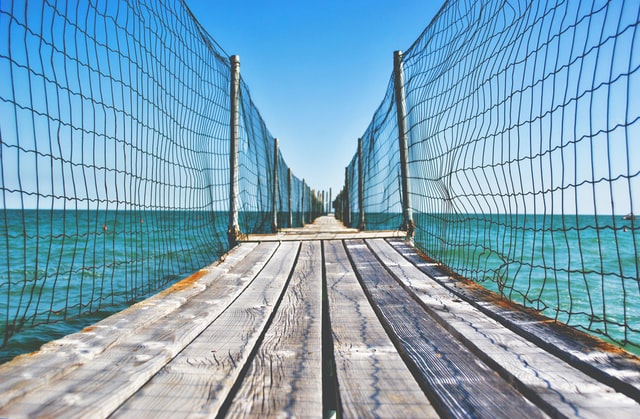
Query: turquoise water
[(63, 270), (581, 270)]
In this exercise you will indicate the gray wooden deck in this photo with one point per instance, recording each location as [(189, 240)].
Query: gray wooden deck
[(317, 320)]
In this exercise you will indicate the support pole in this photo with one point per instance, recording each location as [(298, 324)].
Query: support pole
[(347, 202), (289, 182), (361, 221), (233, 231), (274, 200), (304, 188), (330, 201), (401, 110)]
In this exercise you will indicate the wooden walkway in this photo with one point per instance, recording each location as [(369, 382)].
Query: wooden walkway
[(321, 320)]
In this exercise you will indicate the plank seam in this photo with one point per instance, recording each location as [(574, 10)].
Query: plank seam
[(628, 389), (510, 378), (224, 407), (433, 396)]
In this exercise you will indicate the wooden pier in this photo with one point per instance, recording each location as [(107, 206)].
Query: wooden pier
[(320, 321)]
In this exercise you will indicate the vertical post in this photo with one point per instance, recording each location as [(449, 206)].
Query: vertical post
[(234, 229), (401, 110), (330, 200), (347, 202), (274, 200), (304, 188), (290, 198), (361, 221)]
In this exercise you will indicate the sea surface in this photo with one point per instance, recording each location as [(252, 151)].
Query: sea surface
[(582, 270), (63, 270)]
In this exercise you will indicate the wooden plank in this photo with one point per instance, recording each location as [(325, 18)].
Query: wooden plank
[(322, 235), (603, 361), (285, 376), (458, 383), (98, 387), (59, 357), (323, 228), (199, 379), (373, 379), (561, 389)]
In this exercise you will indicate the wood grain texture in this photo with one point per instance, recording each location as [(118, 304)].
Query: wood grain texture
[(285, 376), (373, 379), (98, 387), (459, 384), (558, 387), (605, 362), (199, 379)]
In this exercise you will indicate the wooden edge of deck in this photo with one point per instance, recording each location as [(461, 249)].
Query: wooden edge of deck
[(345, 234), (604, 361)]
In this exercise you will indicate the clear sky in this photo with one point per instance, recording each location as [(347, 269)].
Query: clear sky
[(316, 69)]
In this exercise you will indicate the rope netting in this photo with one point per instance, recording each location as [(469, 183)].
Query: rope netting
[(524, 157), (114, 159)]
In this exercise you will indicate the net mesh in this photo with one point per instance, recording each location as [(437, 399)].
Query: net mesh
[(114, 158), (523, 155)]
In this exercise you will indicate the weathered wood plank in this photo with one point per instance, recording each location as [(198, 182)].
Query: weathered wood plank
[(603, 361), (558, 387), (459, 384), (199, 379), (320, 235), (323, 228), (373, 379), (57, 358), (98, 387), (285, 376)]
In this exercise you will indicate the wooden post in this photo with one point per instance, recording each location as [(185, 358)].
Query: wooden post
[(304, 188), (233, 231), (401, 111), (361, 221), (290, 180), (274, 189), (330, 201), (347, 203)]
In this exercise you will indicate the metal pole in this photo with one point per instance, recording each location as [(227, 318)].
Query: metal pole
[(290, 198), (274, 201), (234, 229), (304, 188), (347, 210), (401, 111), (361, 221)]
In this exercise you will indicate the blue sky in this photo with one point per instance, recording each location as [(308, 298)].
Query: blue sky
[(317, 70)]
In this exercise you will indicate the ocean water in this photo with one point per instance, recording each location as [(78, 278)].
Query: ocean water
[(582, 270), (63, 270)]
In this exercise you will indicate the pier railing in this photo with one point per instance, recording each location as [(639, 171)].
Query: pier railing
[(115, 158), (522, 152)]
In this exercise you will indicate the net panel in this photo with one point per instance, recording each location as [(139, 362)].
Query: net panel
[(524, 155), (114, 159)]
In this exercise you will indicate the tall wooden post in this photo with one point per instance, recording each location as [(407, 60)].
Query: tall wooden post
[(401, 111), (274, 189), (361, 220), (347, 202), (289, 182), (330, 200), (233, 231)]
